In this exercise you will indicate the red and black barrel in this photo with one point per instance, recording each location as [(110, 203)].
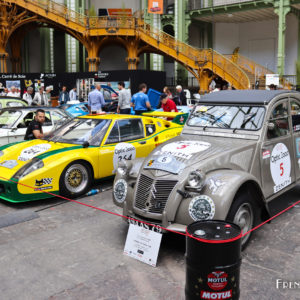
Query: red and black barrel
[(213, 260)]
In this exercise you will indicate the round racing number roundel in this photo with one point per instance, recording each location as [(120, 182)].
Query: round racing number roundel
[(123, 151), (280, 166)]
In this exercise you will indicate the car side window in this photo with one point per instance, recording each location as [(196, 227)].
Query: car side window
[(295, 114), (114, 135), (26, 120), (278, 124), (131, 129)]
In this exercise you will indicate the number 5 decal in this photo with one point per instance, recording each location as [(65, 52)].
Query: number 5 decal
[(281, 169)]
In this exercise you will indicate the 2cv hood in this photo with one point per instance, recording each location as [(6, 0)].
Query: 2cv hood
[(205, 151)]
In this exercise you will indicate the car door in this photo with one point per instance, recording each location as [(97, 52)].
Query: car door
[(125, 141), (295, 119), (278, 170)]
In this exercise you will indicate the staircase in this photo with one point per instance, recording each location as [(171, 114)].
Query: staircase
[(82, 26)]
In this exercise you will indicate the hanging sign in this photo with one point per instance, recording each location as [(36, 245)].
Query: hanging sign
[(155, 6)]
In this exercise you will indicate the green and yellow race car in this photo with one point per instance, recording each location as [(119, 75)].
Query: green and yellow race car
[(68, 160)]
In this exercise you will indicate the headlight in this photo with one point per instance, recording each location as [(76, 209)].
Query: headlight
[(124, 167), (120, 190), (202, 208), (1, 152), (196, 180), (33, 165)]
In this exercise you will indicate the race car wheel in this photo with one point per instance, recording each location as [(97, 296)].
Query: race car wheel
[(75, 180), (242, 213)]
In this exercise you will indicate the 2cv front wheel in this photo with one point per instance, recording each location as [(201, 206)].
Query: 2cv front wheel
[(243, 213)]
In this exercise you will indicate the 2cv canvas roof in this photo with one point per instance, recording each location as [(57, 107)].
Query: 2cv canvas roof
[(243, 96)]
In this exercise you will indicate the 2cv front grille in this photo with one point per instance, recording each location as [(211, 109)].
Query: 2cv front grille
[(152, 195)]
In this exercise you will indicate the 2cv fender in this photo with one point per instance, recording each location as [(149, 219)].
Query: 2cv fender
[(231, 195)]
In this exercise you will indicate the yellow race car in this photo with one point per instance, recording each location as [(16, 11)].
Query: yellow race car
[(69, 159)]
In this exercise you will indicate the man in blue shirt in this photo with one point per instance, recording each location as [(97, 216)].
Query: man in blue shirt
[(95, 100), (140, 101)]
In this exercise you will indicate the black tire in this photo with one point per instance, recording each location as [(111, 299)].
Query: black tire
[(76, 179), (243, 213)]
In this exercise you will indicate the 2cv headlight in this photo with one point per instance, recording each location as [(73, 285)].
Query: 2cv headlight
[(196, 181), (124, 167)]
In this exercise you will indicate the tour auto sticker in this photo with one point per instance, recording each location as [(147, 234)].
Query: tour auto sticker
[(183, 149), (280, 166), (30, 152), (123, 151)]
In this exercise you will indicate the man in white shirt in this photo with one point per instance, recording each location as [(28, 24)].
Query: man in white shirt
[(123, 99), (73, 94), (13, 92), (40, 98), (28, 95)]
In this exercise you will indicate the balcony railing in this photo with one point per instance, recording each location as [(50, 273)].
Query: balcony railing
[(199, 4)]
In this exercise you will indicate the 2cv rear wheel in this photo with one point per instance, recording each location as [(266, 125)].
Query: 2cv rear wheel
[(243, 213)]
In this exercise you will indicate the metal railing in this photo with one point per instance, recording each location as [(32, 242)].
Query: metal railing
[(200, 4), (197, 55), (248, 64)]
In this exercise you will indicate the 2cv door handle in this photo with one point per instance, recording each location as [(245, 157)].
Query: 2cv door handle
[(142, 142)]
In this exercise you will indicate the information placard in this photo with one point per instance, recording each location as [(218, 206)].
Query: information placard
[(143, 244)]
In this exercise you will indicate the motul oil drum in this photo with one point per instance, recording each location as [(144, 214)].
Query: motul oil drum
[(213, 259)]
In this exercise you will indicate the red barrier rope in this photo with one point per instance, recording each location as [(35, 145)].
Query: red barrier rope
[(150, 224)]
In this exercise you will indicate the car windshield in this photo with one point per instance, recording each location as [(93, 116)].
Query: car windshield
[(9, 117), (78, 131), (228, 116)]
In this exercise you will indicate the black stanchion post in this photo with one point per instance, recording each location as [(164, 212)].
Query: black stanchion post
[(213, 259)]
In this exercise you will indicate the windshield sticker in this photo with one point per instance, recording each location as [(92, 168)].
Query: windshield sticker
[(280, 166), (33, 151), (123, 151), (184, 149), (266, 154), (165, 163), (9, 164)]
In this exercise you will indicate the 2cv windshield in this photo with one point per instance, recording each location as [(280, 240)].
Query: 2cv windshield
[(228, 116)]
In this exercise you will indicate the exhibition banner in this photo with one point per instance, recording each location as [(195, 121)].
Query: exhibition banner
[(155, 6)]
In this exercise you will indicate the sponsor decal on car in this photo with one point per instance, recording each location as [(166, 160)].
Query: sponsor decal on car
[(266, 154), (9, 164), (31, 152), (123, 151), (184, 149), (215, 184), (43, 188), (165, 163), (44, 181), (280, 166)]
